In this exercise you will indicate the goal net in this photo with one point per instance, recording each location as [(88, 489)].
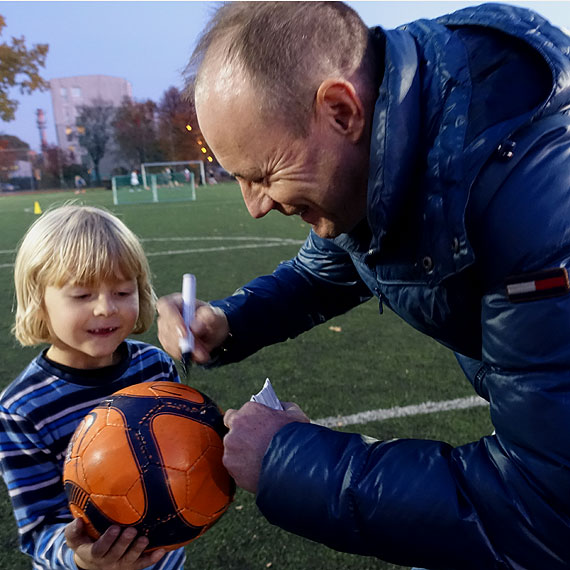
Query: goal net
[(173, 172), (162, 187)]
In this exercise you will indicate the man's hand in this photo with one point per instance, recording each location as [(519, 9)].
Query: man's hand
[(251, 429), (209, 327), (113, 550)]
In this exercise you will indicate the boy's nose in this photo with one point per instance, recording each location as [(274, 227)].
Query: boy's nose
[(105, 305)]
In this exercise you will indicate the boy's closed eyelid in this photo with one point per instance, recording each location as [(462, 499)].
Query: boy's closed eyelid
[(126, 293)]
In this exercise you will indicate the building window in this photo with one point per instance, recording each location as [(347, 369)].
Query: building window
[(63, 92), (76, 92)]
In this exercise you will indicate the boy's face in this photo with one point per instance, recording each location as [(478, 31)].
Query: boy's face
[(88, 323)]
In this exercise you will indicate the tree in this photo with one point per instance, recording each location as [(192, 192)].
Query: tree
[(19, 67), (94, 124), (135, 131), (55, 163), (179, 136), (12, 149)]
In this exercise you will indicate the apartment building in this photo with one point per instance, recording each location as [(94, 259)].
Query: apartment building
[(68, 94)]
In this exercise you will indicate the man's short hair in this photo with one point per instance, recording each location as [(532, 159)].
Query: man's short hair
[(286, 49)]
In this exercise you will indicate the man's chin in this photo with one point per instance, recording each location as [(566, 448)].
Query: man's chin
[(326, 229)]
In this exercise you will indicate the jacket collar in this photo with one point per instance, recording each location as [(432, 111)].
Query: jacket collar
[(395, 134)]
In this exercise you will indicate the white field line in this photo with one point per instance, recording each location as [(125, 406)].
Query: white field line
[(219, 248), (400, 412), (226, 238), (257, 243)]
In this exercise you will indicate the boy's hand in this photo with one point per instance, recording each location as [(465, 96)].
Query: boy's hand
[(113, 550)]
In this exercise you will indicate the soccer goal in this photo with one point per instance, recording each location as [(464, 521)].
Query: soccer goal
[(174, 173), (175, 188)]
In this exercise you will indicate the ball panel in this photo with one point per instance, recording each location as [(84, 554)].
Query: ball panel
[(208, 490), (121, 509), (109, 448), (90, 426), (180, 439), (164, 389)]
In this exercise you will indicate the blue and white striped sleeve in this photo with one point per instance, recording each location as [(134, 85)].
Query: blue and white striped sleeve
[(33, 479)]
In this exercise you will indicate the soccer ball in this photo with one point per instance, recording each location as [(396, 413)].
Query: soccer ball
[(150, 457)]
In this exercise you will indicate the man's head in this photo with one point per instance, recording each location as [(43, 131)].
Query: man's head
[(284, 94)]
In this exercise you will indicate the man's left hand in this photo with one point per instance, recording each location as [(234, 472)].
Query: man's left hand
[(251, 429)]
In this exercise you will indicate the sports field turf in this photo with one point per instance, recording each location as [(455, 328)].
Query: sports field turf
[(358, 362)]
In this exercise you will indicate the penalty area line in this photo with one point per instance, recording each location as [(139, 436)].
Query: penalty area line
[(402, 411)]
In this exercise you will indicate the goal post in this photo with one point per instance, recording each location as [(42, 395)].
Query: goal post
[(170, 168), (177, 187)]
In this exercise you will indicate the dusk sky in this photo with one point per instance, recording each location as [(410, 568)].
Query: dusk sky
[(148, 43)]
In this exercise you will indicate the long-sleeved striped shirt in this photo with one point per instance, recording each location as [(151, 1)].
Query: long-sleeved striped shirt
[(39, 412)]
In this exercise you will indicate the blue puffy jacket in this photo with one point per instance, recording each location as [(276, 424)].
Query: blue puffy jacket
[(467, 238)]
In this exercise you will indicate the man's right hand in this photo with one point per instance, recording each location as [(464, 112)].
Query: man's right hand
[(210, 327)]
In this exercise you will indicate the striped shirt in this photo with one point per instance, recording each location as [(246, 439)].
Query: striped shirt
[(39, 412)]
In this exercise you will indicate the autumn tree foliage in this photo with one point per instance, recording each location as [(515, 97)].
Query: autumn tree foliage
[(94, 123), (12, 149), (19, 67), (55, 163), (135, 129), (179, 136)]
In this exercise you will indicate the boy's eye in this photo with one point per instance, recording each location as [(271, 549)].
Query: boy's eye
[(124, 293), (80, 295)]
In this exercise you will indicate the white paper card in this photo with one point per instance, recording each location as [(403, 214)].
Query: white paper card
[(267, 396)]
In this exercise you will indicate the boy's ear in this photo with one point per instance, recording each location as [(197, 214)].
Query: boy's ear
[(339, 105)]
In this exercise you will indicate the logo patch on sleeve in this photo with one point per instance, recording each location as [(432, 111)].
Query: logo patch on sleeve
[(540, 285)]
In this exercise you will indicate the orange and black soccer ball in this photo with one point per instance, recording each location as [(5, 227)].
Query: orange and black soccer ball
[(150, 457)]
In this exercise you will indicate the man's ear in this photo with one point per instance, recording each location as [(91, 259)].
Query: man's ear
[(338, 104)]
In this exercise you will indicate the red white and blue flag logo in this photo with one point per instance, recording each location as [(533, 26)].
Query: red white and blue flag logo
[(540, 285)]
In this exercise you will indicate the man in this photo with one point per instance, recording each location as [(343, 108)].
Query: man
[(432, 163)]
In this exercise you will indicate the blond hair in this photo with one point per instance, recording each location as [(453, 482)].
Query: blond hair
[(82, 245)]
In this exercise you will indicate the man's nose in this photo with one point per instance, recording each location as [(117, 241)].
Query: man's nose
[(258, 203)]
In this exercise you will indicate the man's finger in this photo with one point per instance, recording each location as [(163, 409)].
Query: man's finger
[(295, 411), (228, 417)]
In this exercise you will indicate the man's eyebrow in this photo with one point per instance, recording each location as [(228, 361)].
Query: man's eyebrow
[(248, 174)]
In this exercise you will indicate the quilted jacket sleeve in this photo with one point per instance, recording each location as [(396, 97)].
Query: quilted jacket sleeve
[(318, 284), (498, 503)]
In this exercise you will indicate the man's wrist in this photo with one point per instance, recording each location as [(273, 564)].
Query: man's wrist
[(217, 356)]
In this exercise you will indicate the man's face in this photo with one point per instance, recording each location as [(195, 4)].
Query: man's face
[(311, 176)]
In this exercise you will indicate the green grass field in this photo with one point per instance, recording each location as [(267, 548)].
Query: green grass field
[(366, 362)]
